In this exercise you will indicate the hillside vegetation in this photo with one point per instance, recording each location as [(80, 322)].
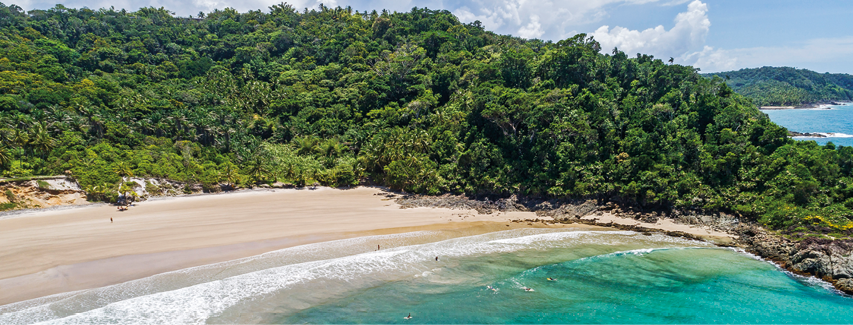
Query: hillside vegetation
[(417, 101), (770, 86)]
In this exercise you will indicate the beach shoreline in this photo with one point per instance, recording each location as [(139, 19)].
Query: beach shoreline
[(827, 105), (57, 251)]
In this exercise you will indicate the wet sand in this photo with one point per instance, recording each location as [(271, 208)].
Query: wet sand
[(60, 251)]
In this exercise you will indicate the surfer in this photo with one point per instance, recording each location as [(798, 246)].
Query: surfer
[(492, 288), (528, 289), (551, 279), (409, 317)]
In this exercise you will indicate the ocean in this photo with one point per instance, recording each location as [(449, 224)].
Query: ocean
[(836, 123), (595, 277)]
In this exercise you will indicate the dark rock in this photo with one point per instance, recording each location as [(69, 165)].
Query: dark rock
[(845, 285), (810, 135), (831, 260)]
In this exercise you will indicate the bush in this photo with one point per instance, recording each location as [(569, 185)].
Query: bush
[(42, 185), (7, 206)]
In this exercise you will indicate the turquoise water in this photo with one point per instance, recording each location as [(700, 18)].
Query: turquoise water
[(665, 286), (836, 122), (600, 277)]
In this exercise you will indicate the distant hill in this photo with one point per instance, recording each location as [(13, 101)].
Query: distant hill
[(788, 86)]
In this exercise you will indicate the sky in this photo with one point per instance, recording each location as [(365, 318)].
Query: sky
[(712, 35)]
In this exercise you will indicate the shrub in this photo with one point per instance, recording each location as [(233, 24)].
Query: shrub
[(43, 185)]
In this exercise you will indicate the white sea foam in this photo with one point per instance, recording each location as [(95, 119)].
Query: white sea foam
[(209, 295), (808, 280), (558, 236), (835, 135)]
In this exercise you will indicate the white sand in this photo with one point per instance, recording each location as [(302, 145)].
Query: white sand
[(58, 251)]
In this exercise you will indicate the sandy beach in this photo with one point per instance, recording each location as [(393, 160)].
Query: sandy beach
[(60, 251)]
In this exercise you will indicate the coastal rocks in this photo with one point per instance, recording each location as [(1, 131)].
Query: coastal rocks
[(40, 193), (567, 211), (824, 258), (845, 285), (282, 185), (461, 202), (718, 220), (808, 135), (831, 260)]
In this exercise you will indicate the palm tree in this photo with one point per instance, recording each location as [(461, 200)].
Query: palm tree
[(21, 138), (5, 156), (257, 168), (6, 137), (305, 145), (230, 174), (41, 141), (122, 169), (330, 148)]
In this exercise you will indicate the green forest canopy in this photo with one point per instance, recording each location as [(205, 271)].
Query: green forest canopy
[(769, 86), (417, 101)]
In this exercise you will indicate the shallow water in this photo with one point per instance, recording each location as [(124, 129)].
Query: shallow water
[(601, 277), (836, 123)]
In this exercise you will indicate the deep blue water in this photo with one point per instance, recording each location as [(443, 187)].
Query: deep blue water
[(837, 120)]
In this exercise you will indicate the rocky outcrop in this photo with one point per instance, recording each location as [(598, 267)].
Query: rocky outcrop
[(449, 201), (809, 135), (831, 260), (40, 193)]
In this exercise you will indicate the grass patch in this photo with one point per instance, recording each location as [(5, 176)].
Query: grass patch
[(43, 185), (8, 206)]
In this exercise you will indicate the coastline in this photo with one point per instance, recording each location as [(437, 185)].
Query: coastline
[(57, 251), (826, 105)]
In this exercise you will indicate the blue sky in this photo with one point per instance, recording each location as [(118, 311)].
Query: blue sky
[(713, 35)]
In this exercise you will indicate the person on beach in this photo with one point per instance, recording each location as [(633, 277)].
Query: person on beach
[(436, 258), (377, 247), (111, 220)]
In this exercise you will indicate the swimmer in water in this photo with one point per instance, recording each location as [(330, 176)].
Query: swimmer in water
[(409, 317)]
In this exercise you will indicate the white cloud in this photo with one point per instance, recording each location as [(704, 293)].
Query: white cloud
[(710, 59), (549, 19), (688, 34), (552, 19), (822, 54), (533, 29)]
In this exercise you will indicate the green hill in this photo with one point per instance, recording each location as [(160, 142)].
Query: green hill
[(417, 101), (770, 86)]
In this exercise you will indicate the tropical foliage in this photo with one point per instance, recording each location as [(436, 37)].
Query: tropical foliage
[(770, 86), (417, 101)]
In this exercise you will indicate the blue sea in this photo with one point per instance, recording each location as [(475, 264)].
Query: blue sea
[(836, 122), (595, 277)]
